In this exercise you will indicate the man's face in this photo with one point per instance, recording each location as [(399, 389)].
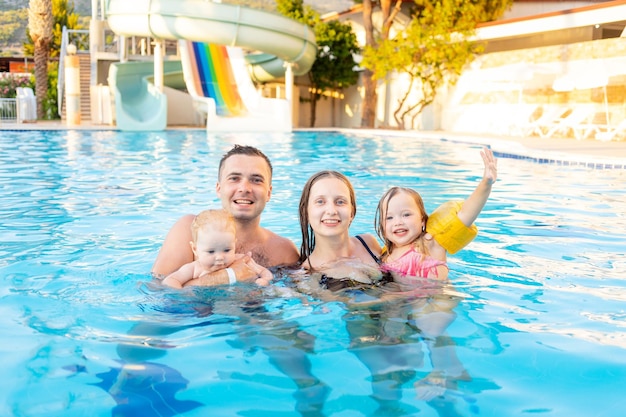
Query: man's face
[(244, 186)]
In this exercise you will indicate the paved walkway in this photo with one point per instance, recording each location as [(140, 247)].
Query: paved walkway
[(593, 153)]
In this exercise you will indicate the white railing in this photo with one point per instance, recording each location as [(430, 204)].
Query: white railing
[(8, 109)]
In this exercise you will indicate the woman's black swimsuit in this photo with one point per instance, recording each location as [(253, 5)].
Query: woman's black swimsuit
[(336, 284)]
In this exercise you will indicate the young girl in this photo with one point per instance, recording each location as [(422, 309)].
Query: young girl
[(416, 244), (213, 246)]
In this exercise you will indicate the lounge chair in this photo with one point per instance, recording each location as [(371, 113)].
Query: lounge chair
[(613, 133), (592, 125), (543, 117), (569, 121), (522, 119)]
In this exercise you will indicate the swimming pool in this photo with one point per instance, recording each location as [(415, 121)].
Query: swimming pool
[(540, 327)]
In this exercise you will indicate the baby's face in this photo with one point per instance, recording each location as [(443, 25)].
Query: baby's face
[(215, 249)]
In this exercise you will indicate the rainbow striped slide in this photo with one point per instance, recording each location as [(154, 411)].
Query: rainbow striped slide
[(212, 76)]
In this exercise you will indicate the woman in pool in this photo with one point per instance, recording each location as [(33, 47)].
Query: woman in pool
[(416, 245), (327, 208)]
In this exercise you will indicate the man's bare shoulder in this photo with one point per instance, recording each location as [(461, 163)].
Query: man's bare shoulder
[(175, 250), (186, 220), (281, 250), (275, 240)]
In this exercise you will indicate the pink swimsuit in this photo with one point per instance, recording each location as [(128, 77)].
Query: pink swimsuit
[(414, 264)]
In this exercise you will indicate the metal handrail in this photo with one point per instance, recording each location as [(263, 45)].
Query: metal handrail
[(65, 41), (61, 71)]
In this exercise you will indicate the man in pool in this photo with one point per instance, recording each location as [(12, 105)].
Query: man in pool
[(244, 186)]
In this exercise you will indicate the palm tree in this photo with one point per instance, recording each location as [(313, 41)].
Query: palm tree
[(40, 28)]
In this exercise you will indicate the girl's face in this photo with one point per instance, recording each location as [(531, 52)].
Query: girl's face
[(403, 222), (329, 207), (214, 248)]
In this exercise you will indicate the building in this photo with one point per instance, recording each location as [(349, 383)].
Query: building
[(541, 57)]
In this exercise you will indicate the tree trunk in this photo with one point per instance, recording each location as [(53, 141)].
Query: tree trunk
[(40, 28), (41, 76), (313, 109), (368, 114)]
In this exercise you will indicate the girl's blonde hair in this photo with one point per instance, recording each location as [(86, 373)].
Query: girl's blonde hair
[(381, 213)]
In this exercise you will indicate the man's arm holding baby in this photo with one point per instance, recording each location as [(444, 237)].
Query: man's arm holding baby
[(244, 269)]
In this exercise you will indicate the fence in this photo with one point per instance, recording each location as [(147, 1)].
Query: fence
[(8, 110)]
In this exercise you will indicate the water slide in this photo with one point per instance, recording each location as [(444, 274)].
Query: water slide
[(280, 39), (209, 70)]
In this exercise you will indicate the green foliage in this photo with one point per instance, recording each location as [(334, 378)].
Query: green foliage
[(63, 15), (10, 82), (267, 5), (12, 26), (297, 10), (50, 102), (479, 10), (334, 65), (432, 51), (492, 10)]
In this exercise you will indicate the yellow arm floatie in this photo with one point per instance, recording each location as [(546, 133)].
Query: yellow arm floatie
[(448, 230)]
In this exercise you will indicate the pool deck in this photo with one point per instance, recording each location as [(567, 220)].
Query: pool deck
[(593, 153)]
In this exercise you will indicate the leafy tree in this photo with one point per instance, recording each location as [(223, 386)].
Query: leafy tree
[(11, 26), (432, 50), (479, 10), (296, 10), (63, 15), (40, 27), (334, 66), (389, 10)]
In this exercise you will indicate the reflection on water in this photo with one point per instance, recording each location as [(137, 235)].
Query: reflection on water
[(533, 322)]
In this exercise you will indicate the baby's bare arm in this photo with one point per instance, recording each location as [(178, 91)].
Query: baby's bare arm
[(240, 267), (179, 278)]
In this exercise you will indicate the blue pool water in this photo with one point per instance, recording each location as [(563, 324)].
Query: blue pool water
[(540, 325)]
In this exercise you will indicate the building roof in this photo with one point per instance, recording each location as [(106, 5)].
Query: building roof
[(605, 19), (610, 14)]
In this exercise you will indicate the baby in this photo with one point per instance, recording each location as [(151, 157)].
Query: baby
[(214, 236)]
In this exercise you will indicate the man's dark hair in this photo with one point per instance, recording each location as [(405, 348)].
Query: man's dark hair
[(243, 150)]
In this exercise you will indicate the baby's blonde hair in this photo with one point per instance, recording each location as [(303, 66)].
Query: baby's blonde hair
[(218, 219)]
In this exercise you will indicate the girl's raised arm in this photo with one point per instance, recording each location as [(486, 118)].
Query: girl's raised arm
[(476, 201)]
